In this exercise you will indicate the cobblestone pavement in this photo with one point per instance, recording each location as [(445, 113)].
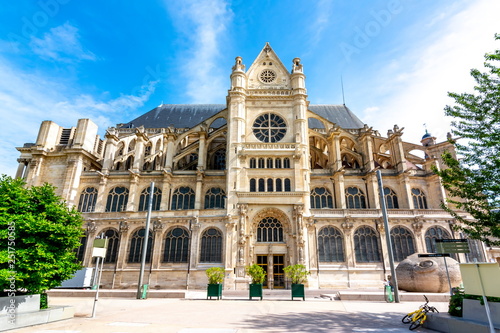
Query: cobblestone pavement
[(235, 313)]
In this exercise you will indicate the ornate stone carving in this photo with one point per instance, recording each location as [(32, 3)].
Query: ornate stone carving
[(123, 226), (380, 225), (91, 227), (157, 226), (347, 226)]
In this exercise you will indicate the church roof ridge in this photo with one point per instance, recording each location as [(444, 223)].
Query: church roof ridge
[(189, 115)]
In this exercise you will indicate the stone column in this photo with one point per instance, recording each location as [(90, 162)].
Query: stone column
[(165, 191), (419, 238), (170, 149), (202, 151), (195, 242), (23, 162), (133, 195), (339, 187), (372, 196), (156, 256), (110, 149), (101, 194), (200, 175), (122, 256), (347, 227), (379, 225), (139, 149)]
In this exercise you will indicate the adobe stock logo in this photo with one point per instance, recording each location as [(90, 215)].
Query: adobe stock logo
[(48, 9), (363, 37)]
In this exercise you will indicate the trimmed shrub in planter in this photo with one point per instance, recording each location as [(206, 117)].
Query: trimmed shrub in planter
[(298, 274), (258, 276), (215, 278)]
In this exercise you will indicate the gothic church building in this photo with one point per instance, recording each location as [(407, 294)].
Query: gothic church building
[(266, 178)]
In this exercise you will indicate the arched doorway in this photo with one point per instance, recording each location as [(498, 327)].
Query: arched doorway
[(271, 229)]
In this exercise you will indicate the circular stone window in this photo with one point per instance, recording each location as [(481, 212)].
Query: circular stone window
[(269, 127), (267, 76)]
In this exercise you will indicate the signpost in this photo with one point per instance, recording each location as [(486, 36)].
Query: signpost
[(434, 255), (99, 251), (447, 246)]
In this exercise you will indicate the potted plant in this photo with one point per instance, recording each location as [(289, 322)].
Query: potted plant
[(298, 274), (258, 277), (215, 278)]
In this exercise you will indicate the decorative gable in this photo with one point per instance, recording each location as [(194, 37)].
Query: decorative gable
[(268, 72)]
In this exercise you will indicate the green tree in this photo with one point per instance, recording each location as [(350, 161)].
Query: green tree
[(473, 181), (38, 237)]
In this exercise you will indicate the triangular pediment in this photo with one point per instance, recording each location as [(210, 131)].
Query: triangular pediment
[(267, 71)]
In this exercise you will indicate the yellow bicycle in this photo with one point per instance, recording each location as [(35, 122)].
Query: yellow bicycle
[(418, 317)]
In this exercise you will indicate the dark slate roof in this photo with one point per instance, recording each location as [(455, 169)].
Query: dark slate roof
[(189, 115), (338, 114)]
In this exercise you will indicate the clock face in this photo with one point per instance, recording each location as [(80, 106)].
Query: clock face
[(267, 76), (269, 127)]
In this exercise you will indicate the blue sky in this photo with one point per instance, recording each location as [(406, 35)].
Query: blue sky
[(112, 61)]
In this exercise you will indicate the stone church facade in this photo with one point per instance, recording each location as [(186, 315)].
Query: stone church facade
[(266, 178)]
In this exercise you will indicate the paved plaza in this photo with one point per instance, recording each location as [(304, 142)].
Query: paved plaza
[(234, 313)]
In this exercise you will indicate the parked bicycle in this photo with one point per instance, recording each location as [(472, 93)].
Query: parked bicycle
[(418, 317)]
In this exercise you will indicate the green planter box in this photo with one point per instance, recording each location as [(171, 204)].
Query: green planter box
[(255, 290), (298, 291), (214, 290)]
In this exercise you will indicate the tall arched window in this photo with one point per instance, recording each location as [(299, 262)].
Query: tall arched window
[(321, 198), (277, 163), (288, 186), (270, 230), (286, 163), (419, 200), (136, 245), (253, 185), (402, 243), (117, 199), (391, 199), (214, 198), (269, 163), (279, 186), (366, 245), (176, 246), (262, 187), (355, 198), (432, 234), (476, 251), (113, 245), (253, 163), (220, 159), (144, 199), (211, 246), (183, 198), (261, 163), (88, 198), (270, 185), (330, 245)]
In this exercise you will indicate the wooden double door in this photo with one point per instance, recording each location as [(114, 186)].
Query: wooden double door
[(273, 265)]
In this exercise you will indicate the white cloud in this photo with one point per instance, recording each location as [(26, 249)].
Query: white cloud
[(61, 44), (321, 21), (203, 24), (417, 84), (28, 99)]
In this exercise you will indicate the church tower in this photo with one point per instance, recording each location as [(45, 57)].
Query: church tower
[(267, 161)]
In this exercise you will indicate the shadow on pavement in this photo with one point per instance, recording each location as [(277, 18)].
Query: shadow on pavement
[(329, 322)]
